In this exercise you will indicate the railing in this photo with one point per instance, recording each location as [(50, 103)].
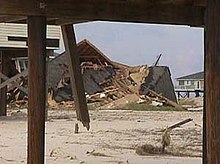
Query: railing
[(188, 87)]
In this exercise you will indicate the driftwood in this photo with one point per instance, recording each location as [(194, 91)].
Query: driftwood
[(166, 100), (180, 123), (166, 133)]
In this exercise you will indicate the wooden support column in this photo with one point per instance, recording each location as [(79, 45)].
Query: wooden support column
[(3, 91), (75, 74), (204, 137), (36, 88), (212, 77)]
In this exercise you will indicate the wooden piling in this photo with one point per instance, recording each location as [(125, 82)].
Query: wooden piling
[(212, 77), (36, 88), (3, 91), (75, 75)]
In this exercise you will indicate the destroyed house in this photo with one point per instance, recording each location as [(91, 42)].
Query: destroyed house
[(96, 68), (89, 56), (159, 80), (101, 75)]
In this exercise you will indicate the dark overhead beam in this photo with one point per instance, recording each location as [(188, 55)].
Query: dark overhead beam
[(183, 2), (66, 21), (9, 19), (152, 11)]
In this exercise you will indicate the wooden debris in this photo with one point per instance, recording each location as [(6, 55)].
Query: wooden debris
[(166, 139), (97, 154), (163, 99), (115, 84), (180, 123), (76, 128), (14, 78), (51, 102)]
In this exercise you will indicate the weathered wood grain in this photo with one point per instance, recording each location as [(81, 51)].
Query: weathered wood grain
[(36, 88), (75, 74), (212, 78), (151, 11), (3, 91)]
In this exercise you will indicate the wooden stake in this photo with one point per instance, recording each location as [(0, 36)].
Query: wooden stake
[(75, 75), (36, 88), (212, 77), (3, 91), (76, 128)]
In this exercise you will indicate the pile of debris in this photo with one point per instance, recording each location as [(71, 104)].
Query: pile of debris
[(110, 84), (107, 84)]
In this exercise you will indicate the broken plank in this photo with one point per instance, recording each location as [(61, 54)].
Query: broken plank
[(14, 78), (180, 123), (169, 102), (4, 77)]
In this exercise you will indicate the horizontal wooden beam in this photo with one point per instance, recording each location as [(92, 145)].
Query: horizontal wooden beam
[(8, 19), (184, 2), (152, 11)]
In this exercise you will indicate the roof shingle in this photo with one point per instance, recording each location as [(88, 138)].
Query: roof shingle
[(194, 76)]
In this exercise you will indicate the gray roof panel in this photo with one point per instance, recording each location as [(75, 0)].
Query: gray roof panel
[(194, 76)]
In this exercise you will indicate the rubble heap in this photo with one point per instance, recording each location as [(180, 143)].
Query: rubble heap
[(112, 84), (107, 83)]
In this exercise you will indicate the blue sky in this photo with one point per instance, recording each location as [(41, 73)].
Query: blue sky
[(139, 44)]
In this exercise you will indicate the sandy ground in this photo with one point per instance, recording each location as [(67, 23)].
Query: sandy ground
[(113, 137)]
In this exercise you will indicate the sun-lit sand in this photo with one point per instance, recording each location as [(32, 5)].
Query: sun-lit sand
[(113, 137)]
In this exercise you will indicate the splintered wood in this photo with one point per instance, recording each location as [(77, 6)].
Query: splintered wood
[(162, 99)]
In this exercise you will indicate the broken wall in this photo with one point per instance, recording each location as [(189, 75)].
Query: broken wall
[(159, 80)]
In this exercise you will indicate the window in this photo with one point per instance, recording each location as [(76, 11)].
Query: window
[(21, 64), (181, 82)]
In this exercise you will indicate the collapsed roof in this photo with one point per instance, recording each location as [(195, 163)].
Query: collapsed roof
[(101, 74)]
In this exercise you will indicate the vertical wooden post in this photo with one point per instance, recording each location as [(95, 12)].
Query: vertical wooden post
[(48, 53), (36, 88), (3, 91), (212, 77), (75, 74), (204, 137)]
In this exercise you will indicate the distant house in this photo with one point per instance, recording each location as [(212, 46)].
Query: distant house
[(193, 81), (13, 42), (14, 36)]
